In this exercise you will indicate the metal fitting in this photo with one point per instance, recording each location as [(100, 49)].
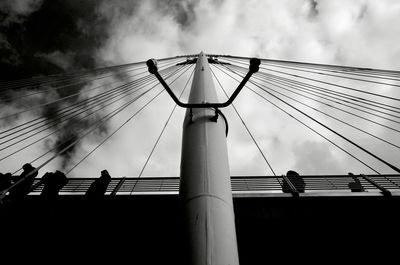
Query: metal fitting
[(254, 65), (152, 66)]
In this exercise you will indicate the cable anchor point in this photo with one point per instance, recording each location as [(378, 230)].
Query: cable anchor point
[(216, 115), (253, 68)]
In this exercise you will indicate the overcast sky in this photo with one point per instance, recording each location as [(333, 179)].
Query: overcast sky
[(53, 36)]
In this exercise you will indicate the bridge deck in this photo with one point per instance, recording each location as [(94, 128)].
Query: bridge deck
[(149, 230), (142, 222)]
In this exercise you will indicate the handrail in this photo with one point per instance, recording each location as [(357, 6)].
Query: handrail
[(272, 184)]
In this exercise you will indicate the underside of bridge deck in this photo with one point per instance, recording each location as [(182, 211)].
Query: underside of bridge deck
[(149, 229)]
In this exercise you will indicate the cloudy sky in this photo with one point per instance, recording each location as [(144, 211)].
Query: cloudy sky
[(42, 37)]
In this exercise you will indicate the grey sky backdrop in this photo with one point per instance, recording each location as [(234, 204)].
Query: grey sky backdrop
[(46, 37)]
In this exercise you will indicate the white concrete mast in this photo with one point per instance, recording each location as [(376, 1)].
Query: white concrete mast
[(205, 188)]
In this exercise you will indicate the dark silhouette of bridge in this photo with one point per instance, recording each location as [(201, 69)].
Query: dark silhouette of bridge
[(277, 217)]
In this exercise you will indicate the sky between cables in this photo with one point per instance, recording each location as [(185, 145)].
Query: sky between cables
[(102, 33), (346, 112)]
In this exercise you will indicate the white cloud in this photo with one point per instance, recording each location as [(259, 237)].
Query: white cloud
[(355, 32), (307, 153), (332, 32), (145, 34)]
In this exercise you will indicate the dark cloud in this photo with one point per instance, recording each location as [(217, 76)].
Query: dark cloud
[(313, 8), (70, 133), (117, 9), (8, 55), (15, 11), (58, 28), (363, 12), (182, 11), (64, 141)]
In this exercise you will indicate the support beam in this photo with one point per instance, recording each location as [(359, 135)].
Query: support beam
[(205, 188)]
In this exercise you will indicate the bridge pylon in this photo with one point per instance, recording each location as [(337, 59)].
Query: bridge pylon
[(205, 188)]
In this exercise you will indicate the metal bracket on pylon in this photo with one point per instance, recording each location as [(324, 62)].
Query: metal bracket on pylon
[(253, 68)]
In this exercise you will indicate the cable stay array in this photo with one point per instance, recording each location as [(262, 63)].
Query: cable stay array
[(355, 111)]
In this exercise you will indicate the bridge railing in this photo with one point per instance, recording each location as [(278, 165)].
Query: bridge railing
[(385, 184)]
